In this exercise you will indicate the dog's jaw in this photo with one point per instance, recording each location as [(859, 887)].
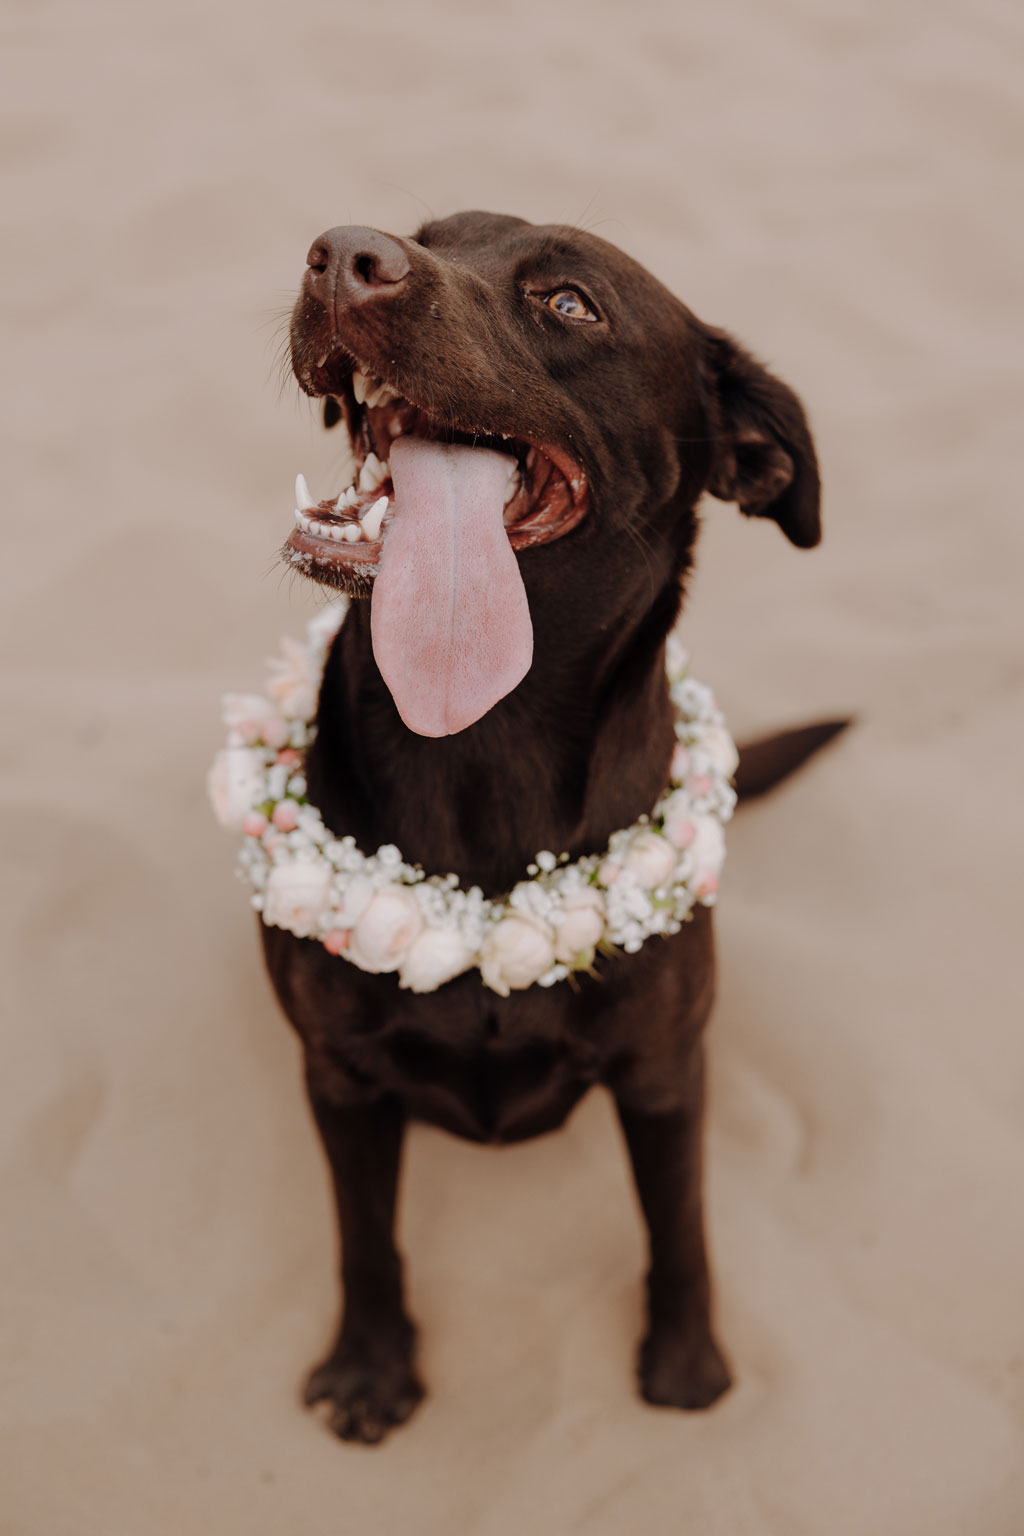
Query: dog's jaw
[(337, 541)]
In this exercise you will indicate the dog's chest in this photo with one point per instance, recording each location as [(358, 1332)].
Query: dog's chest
[(491, 1070)]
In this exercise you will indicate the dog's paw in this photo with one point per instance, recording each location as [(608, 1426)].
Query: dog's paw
[(682, 1369), (366, 1397)]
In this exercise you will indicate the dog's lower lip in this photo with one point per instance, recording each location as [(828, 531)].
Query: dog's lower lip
[(321, 551)]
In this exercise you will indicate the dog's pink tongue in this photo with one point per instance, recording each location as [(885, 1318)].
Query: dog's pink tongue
[(449, 619)]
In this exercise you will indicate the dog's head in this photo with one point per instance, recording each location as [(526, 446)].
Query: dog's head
[(536, 403)]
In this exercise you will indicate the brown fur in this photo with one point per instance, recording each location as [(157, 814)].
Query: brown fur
[(656, 407)]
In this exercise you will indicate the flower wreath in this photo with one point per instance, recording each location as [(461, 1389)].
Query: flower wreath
[(383, 914)]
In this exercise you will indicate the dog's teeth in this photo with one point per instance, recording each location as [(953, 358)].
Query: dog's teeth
[(359, 383), (374, 518), (371, 474), (351, 532), (302, 496), (511, 488)]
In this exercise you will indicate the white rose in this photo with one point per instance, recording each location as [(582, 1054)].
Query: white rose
[(294, 682), (578, 931), (676, 657), (516, 952), (235, 784), (433, 958), (651, 859), (708, 847), (719, 746), (246, 713), (680, 826), (384, 933), (323, 626), (357, 895), (294, 896)]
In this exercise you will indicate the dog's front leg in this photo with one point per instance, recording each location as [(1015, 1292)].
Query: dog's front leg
[(680, 1364), (368, 1378)]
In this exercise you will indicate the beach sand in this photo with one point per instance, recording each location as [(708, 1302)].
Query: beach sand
[(840, 186)]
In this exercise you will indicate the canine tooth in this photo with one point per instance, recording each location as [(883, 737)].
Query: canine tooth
[(351, 532), (359, 383), (374, 518), (511, 488), (379, 394), (302, 496)]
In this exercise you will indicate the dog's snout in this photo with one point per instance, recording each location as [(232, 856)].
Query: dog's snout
[(351, 264)]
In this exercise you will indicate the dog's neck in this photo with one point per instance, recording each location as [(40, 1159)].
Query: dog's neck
[(580, 749)]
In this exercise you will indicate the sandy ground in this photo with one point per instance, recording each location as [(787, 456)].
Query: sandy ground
[(839, 184)]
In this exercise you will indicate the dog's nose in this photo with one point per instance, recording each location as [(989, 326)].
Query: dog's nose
[(351, 264)]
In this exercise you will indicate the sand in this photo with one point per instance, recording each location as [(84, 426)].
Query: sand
[(840, 186)]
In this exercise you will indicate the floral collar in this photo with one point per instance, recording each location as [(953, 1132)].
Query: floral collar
[(385, 915)]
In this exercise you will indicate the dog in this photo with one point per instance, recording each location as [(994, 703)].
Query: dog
[(488, 362)]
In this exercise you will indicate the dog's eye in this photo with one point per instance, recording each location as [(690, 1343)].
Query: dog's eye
[(568, 303)]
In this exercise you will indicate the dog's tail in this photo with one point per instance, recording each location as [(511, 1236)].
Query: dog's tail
[(769, 759)]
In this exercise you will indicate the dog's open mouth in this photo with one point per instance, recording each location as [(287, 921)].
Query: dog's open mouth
[(339, 539), (429, 529)]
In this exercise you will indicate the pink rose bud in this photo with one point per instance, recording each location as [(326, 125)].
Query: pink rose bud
[(680, 763), (255, 824), (707, 885), (286, 816), (250, 731), (700, 784), (274, 732), (681, 833), (336, 940), (289, 757)]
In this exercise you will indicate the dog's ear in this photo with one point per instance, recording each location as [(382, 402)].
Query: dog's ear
[(764, 457), (332, 412)]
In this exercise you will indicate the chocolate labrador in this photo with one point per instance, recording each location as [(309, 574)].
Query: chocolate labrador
[(608, 409)]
